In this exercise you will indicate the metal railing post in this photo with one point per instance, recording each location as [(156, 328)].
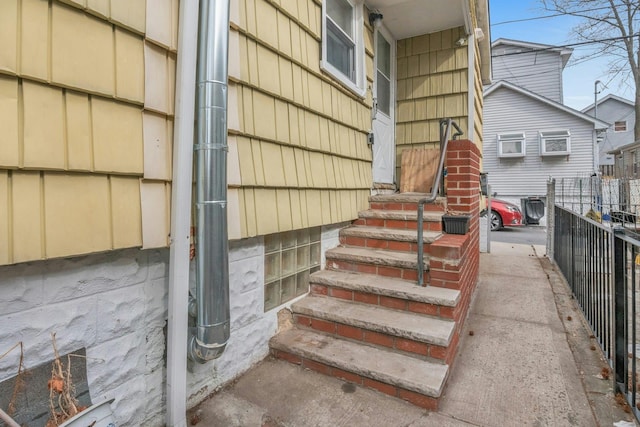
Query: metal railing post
[(619, 308), (551, 219), (420, 245), (444, 142)]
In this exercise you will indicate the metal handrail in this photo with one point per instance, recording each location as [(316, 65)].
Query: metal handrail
[(444, 142)]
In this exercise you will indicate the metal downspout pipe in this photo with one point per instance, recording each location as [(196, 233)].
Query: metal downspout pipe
[(212, 247)]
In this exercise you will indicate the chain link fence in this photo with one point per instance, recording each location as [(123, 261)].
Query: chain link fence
[(606, 200)]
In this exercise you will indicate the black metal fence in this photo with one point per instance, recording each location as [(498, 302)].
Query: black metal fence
[(602, 266)]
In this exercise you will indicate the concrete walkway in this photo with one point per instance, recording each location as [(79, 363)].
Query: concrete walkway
[(525, 360)]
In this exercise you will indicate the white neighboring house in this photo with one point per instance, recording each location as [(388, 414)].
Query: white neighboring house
[(620, 113), (529, 135)]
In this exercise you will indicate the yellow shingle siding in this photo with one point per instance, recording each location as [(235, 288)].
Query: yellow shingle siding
[(432, 84), (302, 146), (86, 111)]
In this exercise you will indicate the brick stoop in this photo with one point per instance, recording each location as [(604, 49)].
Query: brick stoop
[(366, 321)]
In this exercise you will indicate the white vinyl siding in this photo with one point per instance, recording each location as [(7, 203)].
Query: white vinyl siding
[(538, 72), (612, 111), (506, 111)]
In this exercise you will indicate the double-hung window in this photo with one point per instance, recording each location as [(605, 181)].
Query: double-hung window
[(511, 144), (343, 43), (555, 143)]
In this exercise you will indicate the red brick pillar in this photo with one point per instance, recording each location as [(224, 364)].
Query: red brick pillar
[(463, 178), (455, 259)]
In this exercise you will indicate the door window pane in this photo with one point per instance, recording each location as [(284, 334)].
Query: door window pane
[(383, 75), (383, 58), (384, 94)]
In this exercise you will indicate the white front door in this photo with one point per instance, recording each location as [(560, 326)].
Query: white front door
[(383, 107)]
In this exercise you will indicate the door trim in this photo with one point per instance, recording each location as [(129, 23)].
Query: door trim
[(393, 86)]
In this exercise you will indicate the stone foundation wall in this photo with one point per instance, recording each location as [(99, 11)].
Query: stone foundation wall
[(115, 305), (112, 304)]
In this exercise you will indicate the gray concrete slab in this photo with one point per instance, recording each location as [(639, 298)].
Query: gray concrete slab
[(382, 233), (279, 394), (377, 318), (374, 256), (387, 286), (381, 364), (526, 364), (512, 372)]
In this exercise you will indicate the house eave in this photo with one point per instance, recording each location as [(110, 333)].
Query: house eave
[(598, 124)]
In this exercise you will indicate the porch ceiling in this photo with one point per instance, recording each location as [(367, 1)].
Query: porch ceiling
[(409, 18)]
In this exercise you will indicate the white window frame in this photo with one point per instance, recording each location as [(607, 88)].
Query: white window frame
[(511, 137), (626, 128), (555, 134), (358, 84)]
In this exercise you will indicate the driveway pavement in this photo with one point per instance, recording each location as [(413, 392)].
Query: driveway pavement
[(526, 235)]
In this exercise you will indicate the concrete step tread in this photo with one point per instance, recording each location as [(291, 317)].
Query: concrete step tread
[(383, 233), (386, 366), (386, 286), (375, 256), (404, 198), (399, 215), (404, 324)]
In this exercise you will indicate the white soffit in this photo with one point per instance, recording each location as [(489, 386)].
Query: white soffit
[(409, 18)]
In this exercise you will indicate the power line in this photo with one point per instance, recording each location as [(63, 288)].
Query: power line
[(555, 15), (566, 46), (513, 21)]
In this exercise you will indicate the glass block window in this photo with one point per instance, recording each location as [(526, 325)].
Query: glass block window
[(620, 126), (511, 145), (555, 143), (289, 259)]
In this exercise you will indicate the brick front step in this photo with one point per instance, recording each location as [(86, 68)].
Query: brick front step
[(385, 291), (406, 202), (399, 219), (401, 265), (418, 381), (405, 331), (386, 238)]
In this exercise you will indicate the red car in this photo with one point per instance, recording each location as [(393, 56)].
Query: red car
[(504, 214)]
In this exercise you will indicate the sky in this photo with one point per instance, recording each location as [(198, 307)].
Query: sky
[(579, 78)]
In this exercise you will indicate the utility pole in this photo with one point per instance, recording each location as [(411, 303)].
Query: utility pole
[(596, 148), (595, 96)]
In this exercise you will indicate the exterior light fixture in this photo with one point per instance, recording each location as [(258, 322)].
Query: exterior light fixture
[(461, 41), (375, 19)]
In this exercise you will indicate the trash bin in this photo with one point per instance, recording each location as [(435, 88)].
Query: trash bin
[(532, 210)]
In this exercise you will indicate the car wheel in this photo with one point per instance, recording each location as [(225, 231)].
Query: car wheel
[(496, 221)]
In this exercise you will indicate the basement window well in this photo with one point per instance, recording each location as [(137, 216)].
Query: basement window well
[(289, 259)]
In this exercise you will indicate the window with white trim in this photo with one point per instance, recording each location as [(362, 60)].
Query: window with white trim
[(343, 43), (511, 144), (620, 126), (555, 143)]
